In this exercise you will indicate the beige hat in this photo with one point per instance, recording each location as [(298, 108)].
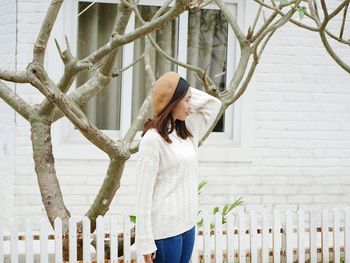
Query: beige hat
[(164, 90)]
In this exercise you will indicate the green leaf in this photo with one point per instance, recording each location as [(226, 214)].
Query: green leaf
[(133, 219), (212, 226), (200, 223), (301, 11), (201, 185), (224, 209), (236, 203), (215, 210), (284, 2), (199, 211)]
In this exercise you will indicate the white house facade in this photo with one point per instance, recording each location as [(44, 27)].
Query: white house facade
[(284, 144)]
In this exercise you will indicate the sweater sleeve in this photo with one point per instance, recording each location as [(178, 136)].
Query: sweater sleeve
[(204, 110), (147, 168)]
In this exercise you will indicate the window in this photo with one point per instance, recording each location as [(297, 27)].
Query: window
[(199, 38), (94, 27), (231, 139), (207, 48)]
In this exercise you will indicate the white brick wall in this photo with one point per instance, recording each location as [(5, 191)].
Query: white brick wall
[(301, 137), (7, 115)]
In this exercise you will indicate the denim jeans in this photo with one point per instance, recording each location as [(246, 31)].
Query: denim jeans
[(176, 249)]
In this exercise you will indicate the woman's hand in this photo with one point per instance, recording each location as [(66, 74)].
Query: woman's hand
[(150, 257)]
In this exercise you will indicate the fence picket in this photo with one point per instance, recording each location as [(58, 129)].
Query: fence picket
[(257, 244), (72, 240), (114, 240), (100, 235), (86, 239), (346, 235), (1, 244), (325, 248), (336, 250), (241, 236), (289, 236), (276, 236), (14, 242), (265, 238), (29, 240), (194, 258), (58, 240), (301, 236), (313, 238), (206, 238), (44, 255), (126, 239), (218, 238), (229, 238), (253, 237)]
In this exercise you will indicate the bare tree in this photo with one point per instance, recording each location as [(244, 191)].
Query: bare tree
[(320, 17), (58, 103)]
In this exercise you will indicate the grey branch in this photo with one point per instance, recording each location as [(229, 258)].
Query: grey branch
[(13, 76), (232, 21), (45, 31), (145, 107), (207, 82), (118, 40), (39, 79), (15, 101)]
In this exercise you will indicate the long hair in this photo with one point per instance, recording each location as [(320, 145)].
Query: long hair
[(164, 123)]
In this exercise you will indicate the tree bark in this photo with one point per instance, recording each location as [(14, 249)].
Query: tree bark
[(50, 190)]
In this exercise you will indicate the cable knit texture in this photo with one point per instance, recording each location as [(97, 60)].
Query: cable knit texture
[(167, 197)]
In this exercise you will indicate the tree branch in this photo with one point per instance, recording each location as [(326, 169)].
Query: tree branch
[(146, 105), (118, 40), (233, 23), (284, 19), (343, 22), (45, 31), (73, 66), (330, 51), (314, 29), (39, 79), (324, 8), (207, 82), (15, 101), (264, 26), (13, 76)]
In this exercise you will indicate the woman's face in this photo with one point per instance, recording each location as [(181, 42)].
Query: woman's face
[(183, 108)]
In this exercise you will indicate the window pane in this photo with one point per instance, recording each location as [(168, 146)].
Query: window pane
[(167, 39), (207, 47), (94, 28)]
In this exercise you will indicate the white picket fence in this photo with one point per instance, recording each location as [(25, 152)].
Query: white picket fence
[(245, 237)]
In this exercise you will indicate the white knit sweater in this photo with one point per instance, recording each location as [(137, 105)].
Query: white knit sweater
[(167, 197)]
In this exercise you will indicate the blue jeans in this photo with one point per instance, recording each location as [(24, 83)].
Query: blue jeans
[(176, 249)]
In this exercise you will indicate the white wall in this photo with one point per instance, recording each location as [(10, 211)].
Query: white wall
[(30, 16), (7, 115), (301, 145)]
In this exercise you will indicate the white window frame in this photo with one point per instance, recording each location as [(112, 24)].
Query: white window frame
[(234, 144)]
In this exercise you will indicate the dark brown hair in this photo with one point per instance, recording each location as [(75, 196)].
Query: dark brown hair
[(165, 118)]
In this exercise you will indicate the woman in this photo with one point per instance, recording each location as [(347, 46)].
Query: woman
[(167, 198)]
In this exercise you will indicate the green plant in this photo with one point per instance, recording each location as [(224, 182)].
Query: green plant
[(226, 209)]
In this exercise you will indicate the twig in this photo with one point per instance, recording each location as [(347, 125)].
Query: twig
[(145, 107), (120, 71), (343, 22)]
